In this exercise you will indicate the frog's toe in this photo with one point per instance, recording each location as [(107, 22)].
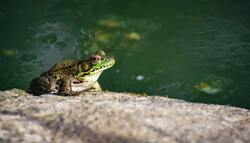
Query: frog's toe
[(95, 88)]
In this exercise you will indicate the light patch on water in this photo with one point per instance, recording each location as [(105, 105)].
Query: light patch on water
[(117, 70), (140, 77), (50, 43)]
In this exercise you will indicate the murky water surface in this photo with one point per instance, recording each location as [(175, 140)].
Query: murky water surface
[(197, 50)]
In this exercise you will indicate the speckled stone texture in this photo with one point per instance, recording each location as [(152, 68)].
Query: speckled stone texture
[(109, 117)]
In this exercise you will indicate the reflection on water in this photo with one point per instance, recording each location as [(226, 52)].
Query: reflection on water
[(193, 50)]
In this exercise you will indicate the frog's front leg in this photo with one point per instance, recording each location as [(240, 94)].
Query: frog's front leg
[(65, 87), (96, 87)]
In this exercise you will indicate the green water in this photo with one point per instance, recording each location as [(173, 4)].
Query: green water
[(196, 50)]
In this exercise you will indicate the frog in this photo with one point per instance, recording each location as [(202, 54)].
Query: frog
[(71, 77)]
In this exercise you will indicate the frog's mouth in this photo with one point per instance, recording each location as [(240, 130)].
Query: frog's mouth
[(102, 65)]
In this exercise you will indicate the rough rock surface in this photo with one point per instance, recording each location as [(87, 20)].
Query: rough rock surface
[(109, 117)]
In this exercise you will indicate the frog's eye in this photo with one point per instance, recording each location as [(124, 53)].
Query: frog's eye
[(95, 59)]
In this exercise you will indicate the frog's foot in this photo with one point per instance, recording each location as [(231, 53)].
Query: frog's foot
[(95, 88), (69, 93)]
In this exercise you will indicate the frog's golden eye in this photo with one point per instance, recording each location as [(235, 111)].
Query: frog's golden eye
[(84, 67)]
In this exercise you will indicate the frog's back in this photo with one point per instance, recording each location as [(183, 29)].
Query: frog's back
[(66, 67)]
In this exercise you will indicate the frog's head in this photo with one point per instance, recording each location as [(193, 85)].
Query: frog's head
[(90, 69)]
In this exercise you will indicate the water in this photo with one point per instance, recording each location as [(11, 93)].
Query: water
[(193, 50)]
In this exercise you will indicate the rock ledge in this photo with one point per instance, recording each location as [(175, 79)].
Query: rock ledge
[(109, 117)]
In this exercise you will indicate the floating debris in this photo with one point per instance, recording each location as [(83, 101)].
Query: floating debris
[(109, 23), (208, 84), (102, 37), (133, 36), (209, 88), (9, 52)]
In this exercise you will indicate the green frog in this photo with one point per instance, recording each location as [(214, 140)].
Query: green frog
[(71, 77)]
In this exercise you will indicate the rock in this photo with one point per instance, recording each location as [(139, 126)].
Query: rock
[(108, 117)]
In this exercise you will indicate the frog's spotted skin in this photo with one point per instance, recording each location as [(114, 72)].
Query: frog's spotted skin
[(71, 77)]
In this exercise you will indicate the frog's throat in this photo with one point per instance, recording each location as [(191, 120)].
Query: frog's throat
[(88, 82)]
